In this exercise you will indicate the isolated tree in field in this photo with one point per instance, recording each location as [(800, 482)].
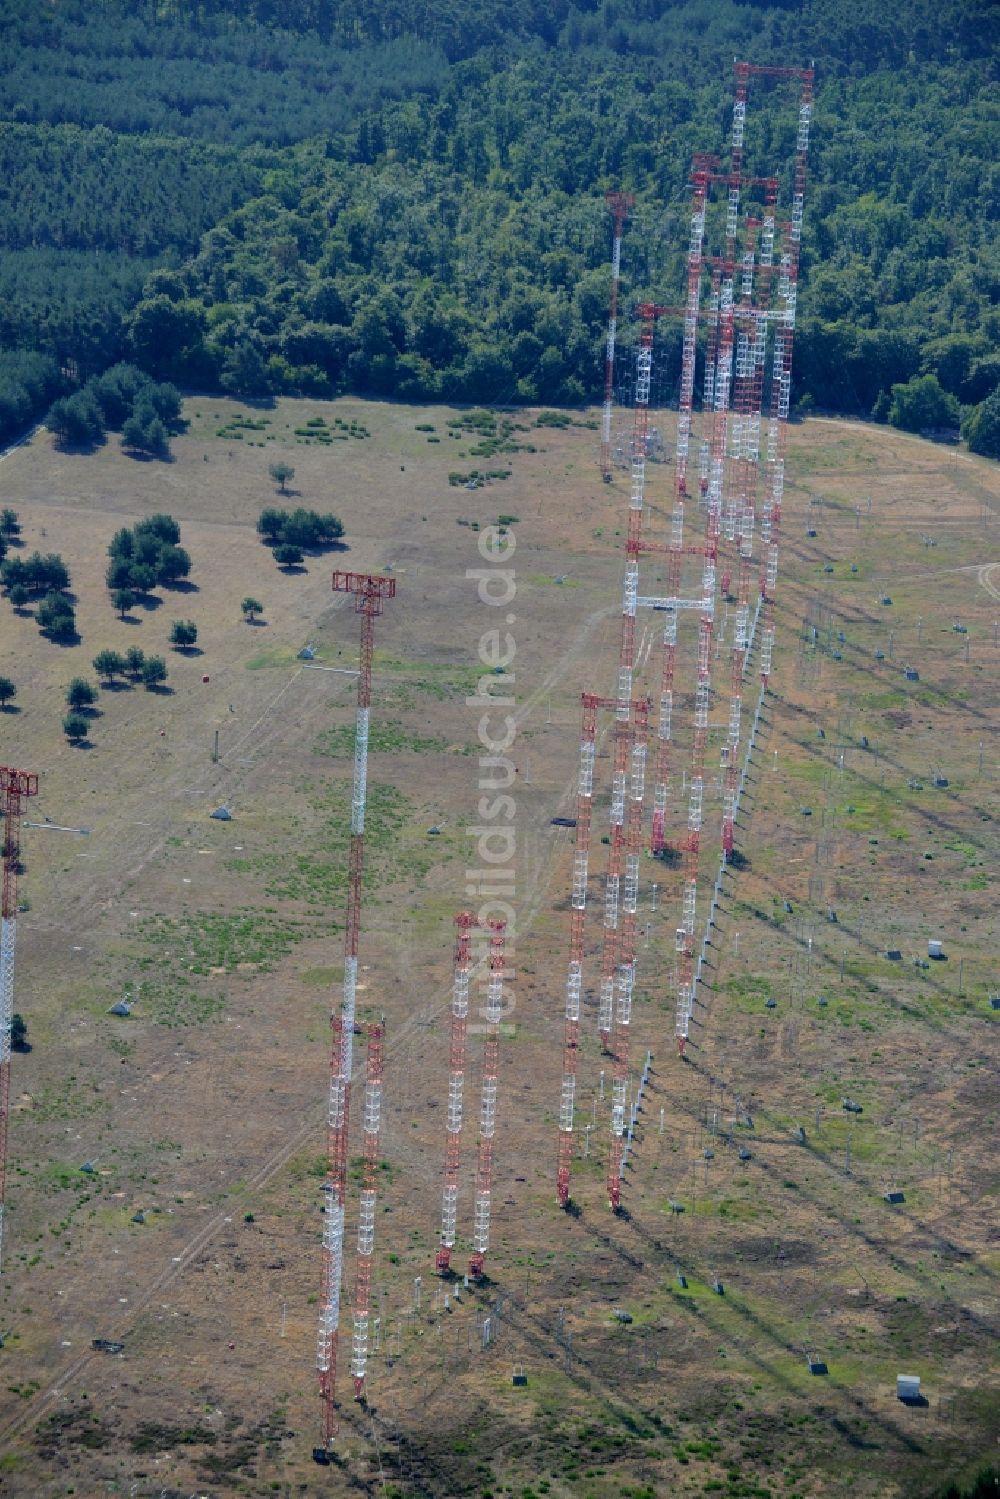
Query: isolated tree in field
[(183, 633), (287, 555), (9, 523), (108, 665), (18, 595), (56, 617), (134, 661), (8, 691), (124, 600), (18, 1033), (251, 608), (75, 727), (154, 671), (281, 472), (80, 693)]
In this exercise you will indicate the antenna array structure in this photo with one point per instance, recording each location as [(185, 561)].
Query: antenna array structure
[(741, 282), (465, 924), (620, 205), (370, 593), (15, 786)]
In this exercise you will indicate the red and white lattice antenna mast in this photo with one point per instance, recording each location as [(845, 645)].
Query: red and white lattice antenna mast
[(488, 1109), (614, 874), (623, 863), (733, 180), (626, 668), (785, 297), (370, 593), (366, 1214), (637, 490), (574, 975), (700, 176), (706, 623), (464, 922), (15, 786), (620, 205), (740, 488), (708, 387), (747, 399), (625, 977)]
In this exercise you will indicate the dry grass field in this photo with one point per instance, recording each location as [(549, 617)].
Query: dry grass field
[(202, 1113)]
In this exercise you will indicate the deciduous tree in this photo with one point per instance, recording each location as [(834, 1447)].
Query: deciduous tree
[(76, 727), (281, 473), (80, 693)]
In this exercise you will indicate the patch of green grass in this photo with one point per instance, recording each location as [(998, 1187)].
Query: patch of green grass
[(432, 678), (742, 1212), (968, 851), (59, 1176), (316, 873), (206, 940), (320, 978), (386, 736), (175, 1001), (871, 812), (68, 1099), (269, 657), (749, 991)]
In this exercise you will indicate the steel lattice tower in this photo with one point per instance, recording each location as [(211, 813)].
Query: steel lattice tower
[(464, 923), (488, 1102), (15, 787), (496, 930), (621, 882), (366, 1210), (741, 281), (369, 593), (620, 205)]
